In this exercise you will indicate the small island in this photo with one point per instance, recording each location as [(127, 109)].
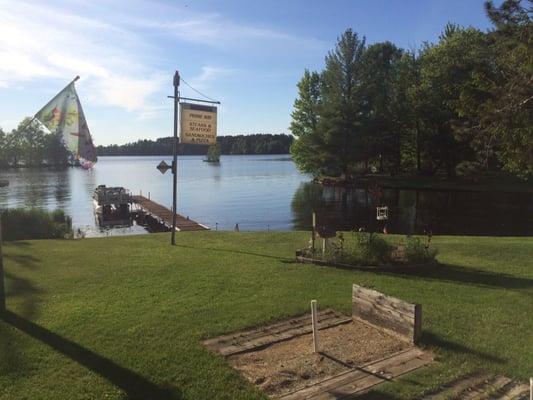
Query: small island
[(213, 154)]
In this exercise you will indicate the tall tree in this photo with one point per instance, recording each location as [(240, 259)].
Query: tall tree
[(306, 149), (328, 113), (509, 112), (342, 111), (383, 131), (437, 92)]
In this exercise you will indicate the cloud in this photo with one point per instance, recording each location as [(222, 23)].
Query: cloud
[(60, 45), (210, 74), (217, 31), (122, 50)]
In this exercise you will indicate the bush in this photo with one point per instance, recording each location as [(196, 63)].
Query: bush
[(373, 249), (21, 224), (365, 249), (417, 252)]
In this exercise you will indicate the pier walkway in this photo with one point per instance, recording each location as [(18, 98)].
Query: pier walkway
[(164, 215)]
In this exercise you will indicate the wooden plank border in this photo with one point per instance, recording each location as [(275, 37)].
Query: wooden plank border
[(386, 312), (258, 338), (362, 378)]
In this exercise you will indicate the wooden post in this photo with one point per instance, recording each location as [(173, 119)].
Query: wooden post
[(530, 388), (314, 321), (2, 287), (313, 234), (323, 246)]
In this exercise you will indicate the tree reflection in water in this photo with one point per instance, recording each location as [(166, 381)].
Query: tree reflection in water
[(415, 211)]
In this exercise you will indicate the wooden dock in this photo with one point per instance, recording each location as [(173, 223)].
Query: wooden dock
[(164, 215)]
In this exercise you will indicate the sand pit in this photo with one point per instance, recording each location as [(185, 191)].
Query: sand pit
[(290, 365), (375, 344)]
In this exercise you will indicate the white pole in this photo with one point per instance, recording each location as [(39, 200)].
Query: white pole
[(314, 321), (530, 388), (323, 246)]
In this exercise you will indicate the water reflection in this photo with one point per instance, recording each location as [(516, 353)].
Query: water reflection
[(415, 211), (260, 193)]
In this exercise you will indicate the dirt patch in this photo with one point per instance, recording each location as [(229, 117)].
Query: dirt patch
[(291, 365)]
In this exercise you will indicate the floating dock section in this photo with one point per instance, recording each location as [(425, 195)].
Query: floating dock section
[(164, 215)]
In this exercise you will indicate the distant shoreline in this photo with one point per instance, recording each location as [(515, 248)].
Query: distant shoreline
[(191, 155), (256, 144)]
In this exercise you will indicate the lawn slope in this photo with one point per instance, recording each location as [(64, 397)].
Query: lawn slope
[(122, 317)]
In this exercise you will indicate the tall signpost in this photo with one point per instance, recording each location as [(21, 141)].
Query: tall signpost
[(198, 126), (175, 156)]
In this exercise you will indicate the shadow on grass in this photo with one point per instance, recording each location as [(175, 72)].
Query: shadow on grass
[(18, 243), (235, 252), (431, 339), (135, 385), (465, 275), (21, 287), (25, 294), (23, 260)]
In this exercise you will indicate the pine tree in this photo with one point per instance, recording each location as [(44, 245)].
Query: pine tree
[(342, 115)]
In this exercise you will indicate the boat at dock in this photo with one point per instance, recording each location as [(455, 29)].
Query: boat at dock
[(112, 206)]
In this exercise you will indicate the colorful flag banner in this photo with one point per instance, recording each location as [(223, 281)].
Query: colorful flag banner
[(64, 115)]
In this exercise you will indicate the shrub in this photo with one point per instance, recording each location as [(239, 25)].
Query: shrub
[(374, 250), (417, 252), (365, 249), (21, 224)]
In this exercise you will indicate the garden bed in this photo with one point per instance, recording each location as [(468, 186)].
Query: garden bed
[(388, 267)]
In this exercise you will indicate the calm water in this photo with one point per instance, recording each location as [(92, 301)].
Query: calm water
[(263, 192)]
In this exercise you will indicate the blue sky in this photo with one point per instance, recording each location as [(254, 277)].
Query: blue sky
[(247, 54)]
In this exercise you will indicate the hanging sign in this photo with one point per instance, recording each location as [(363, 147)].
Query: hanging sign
[(198, 124)]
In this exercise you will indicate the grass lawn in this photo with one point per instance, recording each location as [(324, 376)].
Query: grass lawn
[(122, 317)]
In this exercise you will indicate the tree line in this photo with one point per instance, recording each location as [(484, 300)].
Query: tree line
[(241, 144), (461, 105), (30, 146)]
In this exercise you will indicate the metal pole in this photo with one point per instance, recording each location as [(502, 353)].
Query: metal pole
[(2, 288), (175, 156)]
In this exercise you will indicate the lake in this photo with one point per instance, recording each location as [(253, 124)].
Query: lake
[(264, 193)]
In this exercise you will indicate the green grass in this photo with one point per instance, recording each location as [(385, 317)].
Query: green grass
[(118, 318)]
